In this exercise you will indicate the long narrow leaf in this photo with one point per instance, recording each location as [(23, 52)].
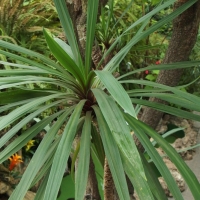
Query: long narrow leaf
[(185, 171), (194, 99), (168, 109), (41, 189), (23, 122), (171, 98), (22, 72), (65, 47), (98, 145), (64, 59), (117, 91), (81, 175), (153, 181), (92, 11), (23, 110), (121, 133), (25, 51), (38, 159), (155, 157), (49, 159), (14, 96), (113, 156), (62, 154), (23, 139), (68, 28), (177, 65), (15, 104)]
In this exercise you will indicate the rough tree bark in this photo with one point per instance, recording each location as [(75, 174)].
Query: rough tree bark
[(108, 183), (185, 30)]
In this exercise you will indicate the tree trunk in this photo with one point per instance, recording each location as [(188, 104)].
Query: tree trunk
[(108, 183), (185, 30), (92, 191), (78, 14)]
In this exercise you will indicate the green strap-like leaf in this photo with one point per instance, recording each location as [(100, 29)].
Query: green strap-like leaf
[(41, 189), (64, 59), (98, 145), (113, 156), (14, 96), (23, 110), (121, 133), (30, 53), (167, 109), (194, 99), (23, 72), (64, 75), (98, 170), (152, 180), (62, 154), (15, 104), (177, 65), (37, 160), (49, 159), (155, 157), (68, 29), (117, 91), (81, 175), (27, 135), (171, 98), (65, 47), (185, 171), (92, 11)]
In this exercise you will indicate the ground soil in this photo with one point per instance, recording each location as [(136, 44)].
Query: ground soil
[(191, 157)]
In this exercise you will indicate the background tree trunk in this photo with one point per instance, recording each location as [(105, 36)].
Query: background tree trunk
[(185, 30), (78, 12)]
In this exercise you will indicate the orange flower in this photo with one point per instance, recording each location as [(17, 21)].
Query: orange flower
[(14, 161)]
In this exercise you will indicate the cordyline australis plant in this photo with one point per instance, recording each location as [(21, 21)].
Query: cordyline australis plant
[(94, 104)]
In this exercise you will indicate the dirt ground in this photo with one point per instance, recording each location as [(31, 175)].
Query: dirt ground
[(194, 163)]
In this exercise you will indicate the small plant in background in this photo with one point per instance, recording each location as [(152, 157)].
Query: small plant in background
[(22, 22), (95, 112), (115, 18)]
